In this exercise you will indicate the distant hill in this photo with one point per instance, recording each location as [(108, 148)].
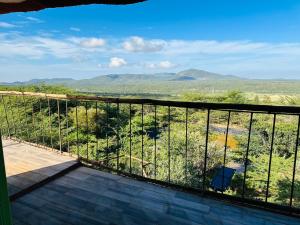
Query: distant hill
[(41, 81), (194, 74), (128, 78), (186, 75), (191, 80)]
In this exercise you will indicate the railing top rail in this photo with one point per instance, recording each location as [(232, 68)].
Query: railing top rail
[(271, 109)]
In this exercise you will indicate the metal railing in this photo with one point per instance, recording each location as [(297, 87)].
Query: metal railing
[(174, 143)]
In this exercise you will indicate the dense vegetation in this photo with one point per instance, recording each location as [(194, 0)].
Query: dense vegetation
[(111, 133), (173, 88)]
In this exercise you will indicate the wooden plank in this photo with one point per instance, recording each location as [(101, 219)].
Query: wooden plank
[(27, 165), (98, 199)]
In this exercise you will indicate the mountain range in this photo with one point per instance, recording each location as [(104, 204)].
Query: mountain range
[(192, 80), (186, 75)]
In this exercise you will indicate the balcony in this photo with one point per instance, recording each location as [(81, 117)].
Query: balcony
[(93, 160)]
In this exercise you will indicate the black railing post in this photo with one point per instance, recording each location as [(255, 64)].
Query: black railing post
[(33, 124), (50, 123), (295, 163), (67, 126), (1, 121), (225, 149), (59, 126), (118, 135), (97, 144), (142, 139), (169, 144), (77, 130), (42, 122), (186, 144), (206, 150), (6, 116), (87, 129), (13, 117), (155, 141), (130, 139), (270, 159), (247, 155), (106, 133), (26, 117), (19, 118)]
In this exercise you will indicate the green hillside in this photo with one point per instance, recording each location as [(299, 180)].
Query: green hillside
[(172, 83)]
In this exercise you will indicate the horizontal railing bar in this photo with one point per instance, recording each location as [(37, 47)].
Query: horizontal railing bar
[(35, 94), (270, 109)]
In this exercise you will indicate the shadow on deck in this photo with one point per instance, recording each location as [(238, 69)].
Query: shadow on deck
[(87, 196)]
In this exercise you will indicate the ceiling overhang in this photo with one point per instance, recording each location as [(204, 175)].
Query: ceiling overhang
[(8, 6)]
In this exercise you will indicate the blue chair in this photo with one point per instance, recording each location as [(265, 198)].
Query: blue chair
[(222, 179)]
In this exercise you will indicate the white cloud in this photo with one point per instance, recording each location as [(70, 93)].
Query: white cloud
[(229, 47), (38, 47), (12, 46), (6, 25), (57, 48), (116, 62), (150, 65), (138, 44), (174, 48), (34, 19), (75, 29), (166, 64), (180, 47), (92, 42), (160, 65), (230, 57)]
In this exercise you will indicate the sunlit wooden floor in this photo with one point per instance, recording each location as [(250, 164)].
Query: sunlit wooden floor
[(86, 196), (27, 165)]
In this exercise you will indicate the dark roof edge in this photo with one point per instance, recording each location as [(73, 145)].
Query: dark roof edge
[(36, 5)]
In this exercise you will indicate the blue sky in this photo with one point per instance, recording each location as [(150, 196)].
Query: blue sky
[(254, 39)]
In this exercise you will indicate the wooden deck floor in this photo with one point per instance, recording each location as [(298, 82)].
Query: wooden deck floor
[(85, 196), (27, 165)]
